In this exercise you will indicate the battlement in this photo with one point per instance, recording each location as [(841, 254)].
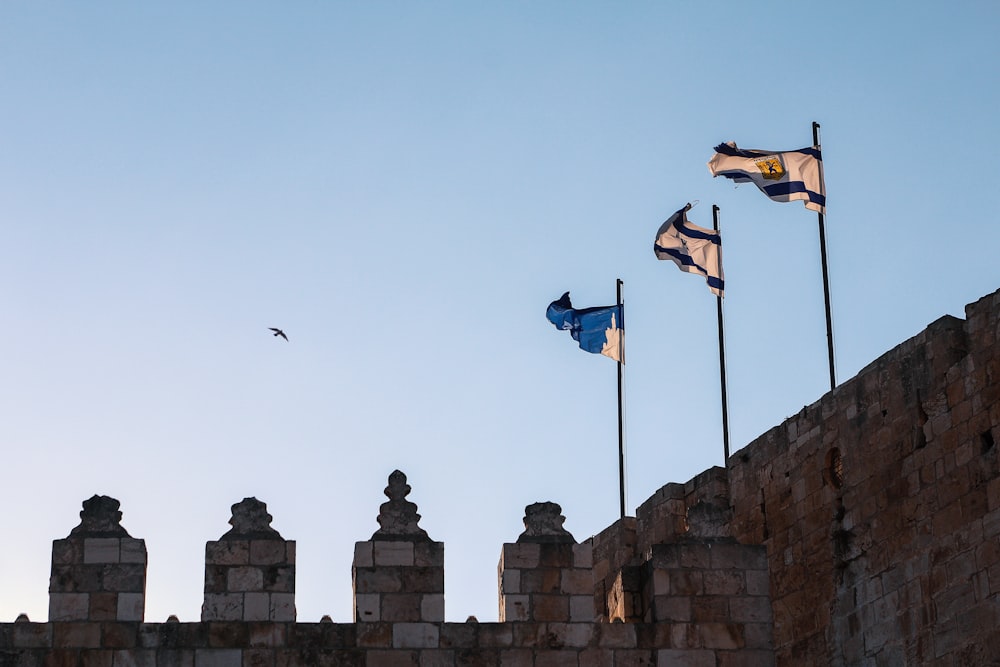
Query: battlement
[(863, 530), (549, 606)]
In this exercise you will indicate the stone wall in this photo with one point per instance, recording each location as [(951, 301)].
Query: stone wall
[(879, 506), (863, 531)]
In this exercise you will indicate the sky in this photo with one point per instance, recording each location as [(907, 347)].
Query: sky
[(403, 188)]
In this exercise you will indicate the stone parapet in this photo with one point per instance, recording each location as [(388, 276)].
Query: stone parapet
[(398, 575), (546, 575), (99, 571), (250, 571)]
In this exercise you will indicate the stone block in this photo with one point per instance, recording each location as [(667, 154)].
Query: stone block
[(173, 658), (382, 580), (222, 607), (374, 635), (227, 552), (266, 634), (709, 608), (758, 582), (685, 658), (686, 582), (428, 554), (574, 635), (541, 580), (76, 635), (556, 555), (132, 551), (616, 635), (581, 609), (517, 657), (550, 608), (583, 555), (395, 658), (415, 635), (226, 634), (422, 579), (720, 635), (135, 658), (279, 578), (521, 556), (218, 657), (131, 607), (758, 636), (754, 609), (724, 582), (244, 578), (67, 552), (577, 582), (514, 608), (495, 635), (671, 609), (125, 577), (101, 550), (432, 608), (256, 606), (392, 553), (437, 658), (738, 556), (282, 607), (748, 658), (268, 552), (120, 635), (401, 607), (69, 607), (510, 581), (367, 607), (363, 554)]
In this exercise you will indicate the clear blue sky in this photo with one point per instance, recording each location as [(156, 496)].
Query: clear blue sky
[(403, 188)]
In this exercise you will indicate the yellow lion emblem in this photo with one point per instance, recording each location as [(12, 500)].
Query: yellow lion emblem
[(771, 168)]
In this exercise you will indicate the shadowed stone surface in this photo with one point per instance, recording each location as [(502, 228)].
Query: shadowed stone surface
[(398, 517), (100, 518), (543, 524), (251, 521)]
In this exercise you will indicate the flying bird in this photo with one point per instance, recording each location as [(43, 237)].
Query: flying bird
[(278, 332)]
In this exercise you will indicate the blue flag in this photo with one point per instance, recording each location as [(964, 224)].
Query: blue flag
[(693, 248), (600, 330)]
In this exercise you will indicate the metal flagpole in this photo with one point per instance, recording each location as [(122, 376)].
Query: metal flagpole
[(826, 278), (722, 356), (621, 416)]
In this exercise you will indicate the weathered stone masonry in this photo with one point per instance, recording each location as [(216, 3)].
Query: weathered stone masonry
[(863, 531)]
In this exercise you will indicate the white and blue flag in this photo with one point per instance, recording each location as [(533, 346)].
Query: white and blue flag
[(600, 330), (693, 248), (785, 176)]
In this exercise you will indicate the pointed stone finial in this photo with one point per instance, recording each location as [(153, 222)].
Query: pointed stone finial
[(251, 521), (100, 518), (543, 524), (398, 518)]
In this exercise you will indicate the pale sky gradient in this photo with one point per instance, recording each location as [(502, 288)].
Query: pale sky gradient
[(403, 187)]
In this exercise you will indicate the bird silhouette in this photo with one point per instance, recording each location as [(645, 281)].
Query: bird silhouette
[(278, 332)]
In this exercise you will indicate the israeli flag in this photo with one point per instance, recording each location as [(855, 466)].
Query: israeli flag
[(600, 330), (783, 176), (693, 249)]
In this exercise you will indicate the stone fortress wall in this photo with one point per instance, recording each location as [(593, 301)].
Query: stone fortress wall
[(863, 531)]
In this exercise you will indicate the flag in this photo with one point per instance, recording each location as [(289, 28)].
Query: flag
[(781, 176), (599, 330), (694, 249)]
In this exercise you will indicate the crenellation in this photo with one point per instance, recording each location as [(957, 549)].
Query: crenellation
[(863, 530)]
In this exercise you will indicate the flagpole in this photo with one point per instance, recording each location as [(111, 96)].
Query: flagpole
[(826, 278), (722, 357), (621, 416)]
